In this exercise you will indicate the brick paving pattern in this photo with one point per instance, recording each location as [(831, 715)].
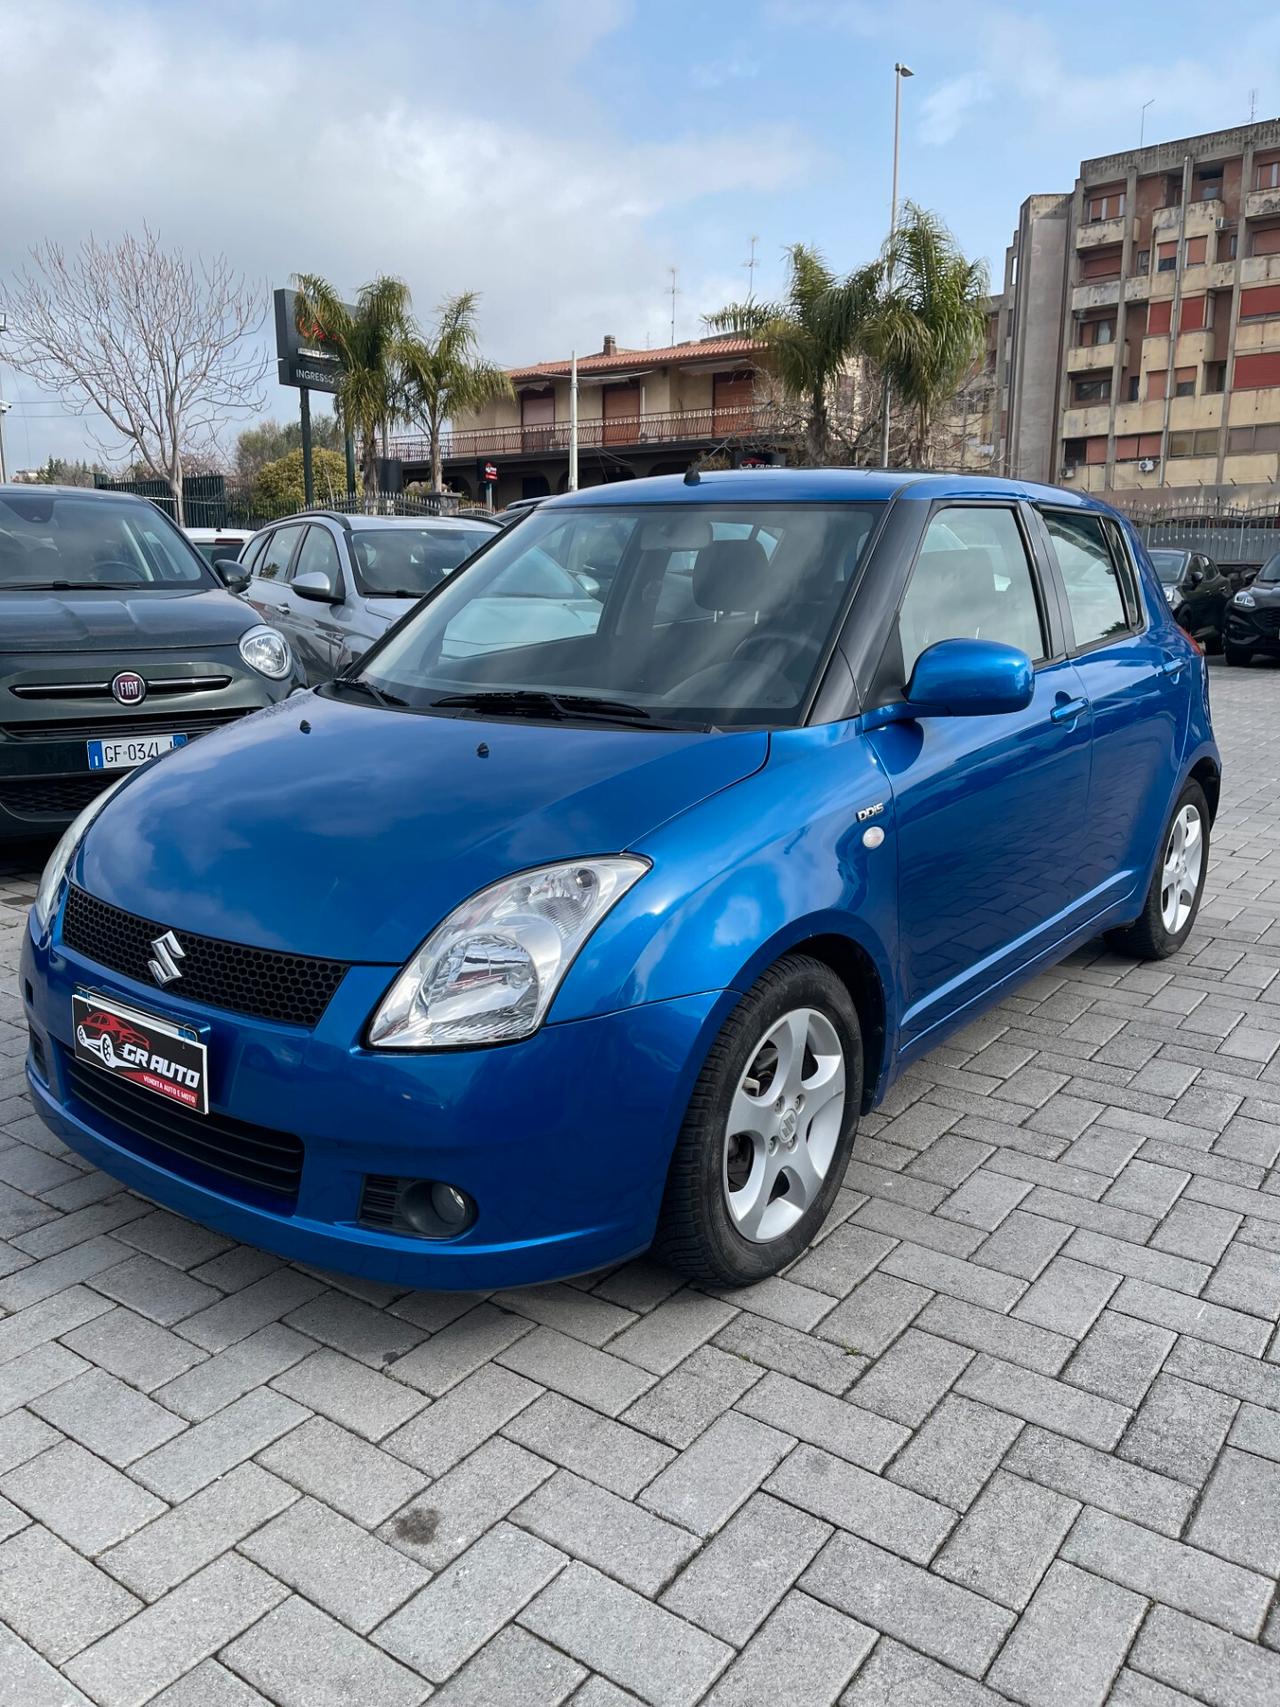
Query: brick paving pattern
[(1010, 1431)]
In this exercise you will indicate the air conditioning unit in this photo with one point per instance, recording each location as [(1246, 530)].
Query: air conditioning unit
[(1148, 465), (1069, 471)]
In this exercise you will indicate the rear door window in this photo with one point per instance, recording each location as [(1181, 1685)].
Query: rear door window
[(1096, 594)]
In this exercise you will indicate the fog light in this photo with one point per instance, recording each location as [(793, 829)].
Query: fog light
[(431, 1209), (451, 1205)]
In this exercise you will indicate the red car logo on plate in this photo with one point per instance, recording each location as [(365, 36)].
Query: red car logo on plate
[(107, 1034)]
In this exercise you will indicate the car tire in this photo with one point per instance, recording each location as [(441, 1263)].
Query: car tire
[(741, 1204), (1235, 654), (1170, 910)]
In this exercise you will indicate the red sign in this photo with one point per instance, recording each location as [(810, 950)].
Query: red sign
[(490, 472)]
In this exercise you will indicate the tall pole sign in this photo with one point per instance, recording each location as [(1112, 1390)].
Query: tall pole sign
[(304, 360)]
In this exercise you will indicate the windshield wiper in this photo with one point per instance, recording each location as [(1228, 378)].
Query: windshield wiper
[(75, 586), (362, 684), (540, 701)]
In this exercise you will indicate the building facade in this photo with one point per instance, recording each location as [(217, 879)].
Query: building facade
[(1138, 333), (640, 412)]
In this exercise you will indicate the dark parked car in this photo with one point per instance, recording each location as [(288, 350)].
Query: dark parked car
[(1253, 616), (334, 584), (117, 643), (1197, 590)]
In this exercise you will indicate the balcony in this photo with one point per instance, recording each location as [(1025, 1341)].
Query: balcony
[(683, 426), (1086, 421), (1138, 288), (1095, 358), (1261, 204), (1259, 269), (1098, 233), (1104, 294), (1201, 217)]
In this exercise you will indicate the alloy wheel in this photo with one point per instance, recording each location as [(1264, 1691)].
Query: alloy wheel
[(784, 1124), (1183, 862)]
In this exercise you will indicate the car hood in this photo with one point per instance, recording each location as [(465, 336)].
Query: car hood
[(153, 618), (342, 830)]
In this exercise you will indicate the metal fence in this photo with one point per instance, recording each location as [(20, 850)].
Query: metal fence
[(211, 501), (1232, 534)]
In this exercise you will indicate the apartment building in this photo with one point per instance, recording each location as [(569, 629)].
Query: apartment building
[(1138, 332)]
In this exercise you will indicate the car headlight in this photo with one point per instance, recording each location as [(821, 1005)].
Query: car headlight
[(489, 972), (1245, 600), (266, 651), (46, 901)]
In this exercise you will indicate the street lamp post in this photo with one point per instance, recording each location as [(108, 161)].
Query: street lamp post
[(899, 72), (573, 424), (4, 410)]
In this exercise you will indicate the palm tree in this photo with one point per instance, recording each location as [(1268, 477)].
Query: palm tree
[(372, 343), (931, 324), (809, 337), (445, 376)]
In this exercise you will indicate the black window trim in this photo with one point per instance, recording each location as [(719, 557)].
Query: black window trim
[(1127, 578)]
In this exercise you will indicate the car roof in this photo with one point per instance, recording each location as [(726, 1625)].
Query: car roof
[(357, 523), (96, 492), (816, 485)]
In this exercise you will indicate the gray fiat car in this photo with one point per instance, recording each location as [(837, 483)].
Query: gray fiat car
[(333, 584), (117, 644)]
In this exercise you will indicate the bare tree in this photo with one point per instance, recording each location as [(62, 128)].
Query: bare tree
[(153, 341)]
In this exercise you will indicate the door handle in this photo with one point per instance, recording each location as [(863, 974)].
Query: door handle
[(1173, 667), (1068, 710)]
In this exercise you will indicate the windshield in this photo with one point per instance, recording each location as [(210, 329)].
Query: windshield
[(405, 562), (61, 540), (1169, 566), (1270, 570), (682, 614)]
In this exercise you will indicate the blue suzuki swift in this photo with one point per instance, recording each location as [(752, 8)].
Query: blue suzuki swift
[(590, 909)]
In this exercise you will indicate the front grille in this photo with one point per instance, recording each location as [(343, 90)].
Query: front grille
[(177, 722), (1267, 618), (102, 689), (50, 796), (252, 1161), (291, 988), (378, 1203)]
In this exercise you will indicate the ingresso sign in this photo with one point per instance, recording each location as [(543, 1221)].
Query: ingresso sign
[(303, 358)]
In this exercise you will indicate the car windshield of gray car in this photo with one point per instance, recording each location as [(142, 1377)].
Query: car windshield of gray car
[(406, 562), (1270, 570), (62, 542), (1169, 566), (696, 615)]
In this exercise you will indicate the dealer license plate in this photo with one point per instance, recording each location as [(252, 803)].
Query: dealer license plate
[(149, 1052), (130, 750)]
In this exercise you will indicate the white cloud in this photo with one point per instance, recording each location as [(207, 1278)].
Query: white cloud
[(360, 153), (947, 107)]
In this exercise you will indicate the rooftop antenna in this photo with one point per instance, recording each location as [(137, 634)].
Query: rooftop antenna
[(750, 264), (1142, 120), (1253, 106), (675, 292)]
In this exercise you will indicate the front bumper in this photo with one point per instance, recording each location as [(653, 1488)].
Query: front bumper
[(562, 1140), (1257, 629), (45, 778)]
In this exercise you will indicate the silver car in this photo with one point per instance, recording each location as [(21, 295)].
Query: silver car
[(333, 584)]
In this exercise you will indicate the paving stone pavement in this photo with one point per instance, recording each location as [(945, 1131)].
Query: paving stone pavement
[(1010, 1431)]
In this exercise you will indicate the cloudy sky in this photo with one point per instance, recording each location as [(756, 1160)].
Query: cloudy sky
[(560, 156)]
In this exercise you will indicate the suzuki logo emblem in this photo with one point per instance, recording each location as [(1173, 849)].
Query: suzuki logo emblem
[(168, 952)]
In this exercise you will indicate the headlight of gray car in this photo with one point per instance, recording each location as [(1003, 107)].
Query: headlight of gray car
[(267, 651)]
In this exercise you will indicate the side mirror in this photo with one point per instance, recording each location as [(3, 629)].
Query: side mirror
[(970, 678), (315, 586), (232, 573)]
